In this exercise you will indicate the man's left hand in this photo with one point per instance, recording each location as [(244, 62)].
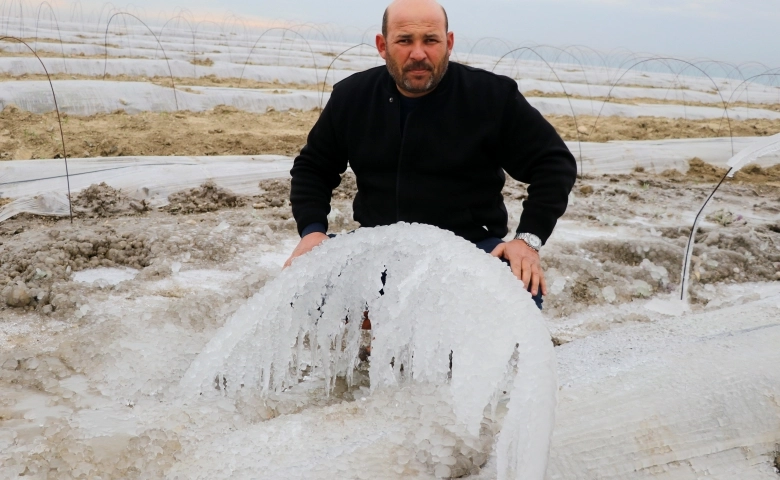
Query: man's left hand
[(525, 264)]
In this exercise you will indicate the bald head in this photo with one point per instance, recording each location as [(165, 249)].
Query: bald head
[(402, 10)]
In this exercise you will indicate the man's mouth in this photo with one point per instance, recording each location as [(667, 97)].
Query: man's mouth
[(418, 70)]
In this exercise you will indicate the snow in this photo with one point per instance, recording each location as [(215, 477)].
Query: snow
[(105, 276)]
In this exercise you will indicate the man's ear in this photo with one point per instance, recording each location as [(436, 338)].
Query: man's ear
[(381, 45), (450, 41)]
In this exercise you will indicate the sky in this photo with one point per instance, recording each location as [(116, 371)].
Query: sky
[(735, 31)]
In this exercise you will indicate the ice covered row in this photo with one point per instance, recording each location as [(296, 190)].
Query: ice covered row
[(676, 398)]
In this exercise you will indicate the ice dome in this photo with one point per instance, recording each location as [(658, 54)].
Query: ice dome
[(443, 302)]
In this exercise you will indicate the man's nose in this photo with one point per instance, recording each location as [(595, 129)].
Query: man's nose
[(418, 53)]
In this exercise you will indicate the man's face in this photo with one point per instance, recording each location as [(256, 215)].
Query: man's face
[(417, 50)]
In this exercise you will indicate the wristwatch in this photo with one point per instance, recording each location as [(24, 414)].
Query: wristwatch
[(530, 239)]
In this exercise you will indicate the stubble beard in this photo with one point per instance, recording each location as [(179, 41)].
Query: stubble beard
[(399, 74)]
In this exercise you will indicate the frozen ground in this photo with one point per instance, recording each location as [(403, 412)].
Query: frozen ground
[(102, 320), (119, 306)]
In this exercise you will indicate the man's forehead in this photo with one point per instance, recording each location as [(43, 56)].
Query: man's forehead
[(416, 28)]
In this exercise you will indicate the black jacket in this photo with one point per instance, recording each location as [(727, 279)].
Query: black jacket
[(447, 168)]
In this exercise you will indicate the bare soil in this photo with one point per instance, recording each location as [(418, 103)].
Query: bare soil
[(207, 198), (228, 131), (102, 200), (221, 131), (657, 128)]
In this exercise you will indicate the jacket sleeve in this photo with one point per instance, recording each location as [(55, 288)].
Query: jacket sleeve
[(316, 171), (535, 154)]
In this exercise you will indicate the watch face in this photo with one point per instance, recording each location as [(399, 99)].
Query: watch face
[(532, 240)]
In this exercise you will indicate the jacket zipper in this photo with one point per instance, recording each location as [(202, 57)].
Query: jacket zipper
[(398, 172), (398, 184)]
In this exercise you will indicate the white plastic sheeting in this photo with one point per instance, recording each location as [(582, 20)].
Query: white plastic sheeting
[(277, 47), (658, 155), (84, 97), (53, 204), (154, 178), (760, 148), (150, 178), (95, 67), (273, 51), (563, 106), (751, 93)]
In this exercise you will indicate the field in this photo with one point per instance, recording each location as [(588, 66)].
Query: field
[(179, 138)]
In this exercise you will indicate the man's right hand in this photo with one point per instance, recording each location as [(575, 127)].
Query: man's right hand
[(305, 245)]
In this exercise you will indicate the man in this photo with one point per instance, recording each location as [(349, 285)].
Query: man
[(429, 141)]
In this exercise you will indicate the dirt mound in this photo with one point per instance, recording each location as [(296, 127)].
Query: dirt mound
[(102, 200), (703, 172), (207, 198), (206, 62), (30, 271), (347, 188), (756, 174), (656, 128), (601, 271), (276, 192)]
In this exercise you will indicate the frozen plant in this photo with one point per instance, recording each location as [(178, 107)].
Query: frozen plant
[(443, 301), (758, 149)]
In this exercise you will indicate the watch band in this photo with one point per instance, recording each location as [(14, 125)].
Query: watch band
[(530, 239)]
